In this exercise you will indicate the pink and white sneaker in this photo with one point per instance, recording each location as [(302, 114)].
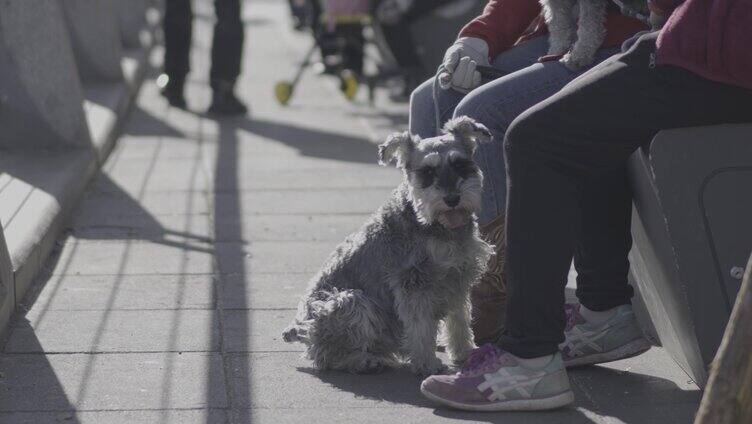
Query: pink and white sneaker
[(494, 380)]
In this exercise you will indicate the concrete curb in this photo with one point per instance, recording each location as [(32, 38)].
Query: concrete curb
[(43, 174)]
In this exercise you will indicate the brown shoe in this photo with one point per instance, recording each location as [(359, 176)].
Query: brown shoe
[(490, 294)]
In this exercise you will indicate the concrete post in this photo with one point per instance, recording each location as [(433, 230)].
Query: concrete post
[(132, 21), (40, 93), (95, 35)]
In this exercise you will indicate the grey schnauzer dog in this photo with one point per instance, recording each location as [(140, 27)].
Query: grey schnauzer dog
[(576, 28), (381, 295)]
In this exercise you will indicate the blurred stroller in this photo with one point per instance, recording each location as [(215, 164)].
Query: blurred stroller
[(337, 27)]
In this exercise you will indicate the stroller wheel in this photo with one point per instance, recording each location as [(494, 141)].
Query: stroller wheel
[(348, 84), (283, 92)]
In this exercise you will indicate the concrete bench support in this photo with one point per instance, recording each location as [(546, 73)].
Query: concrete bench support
[(41, 97), (693, 234), (62, 98), (7, 292), (95, 35)]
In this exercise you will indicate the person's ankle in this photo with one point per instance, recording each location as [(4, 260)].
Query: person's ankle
[(223, 87), (534, 363), (597, 317)]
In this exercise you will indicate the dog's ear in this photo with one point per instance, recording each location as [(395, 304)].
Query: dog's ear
[(396, 149), (469, 132)]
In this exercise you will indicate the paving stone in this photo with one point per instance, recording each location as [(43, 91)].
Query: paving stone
[(272, 257), (152, 203), (132, 257), (257, 331), (187, 229), (144, 147), (136, 176), (115, 331), (651, 380), (288, 227), (123, 292), (325, 201), (305, 414), (135, 257), (111, 381), (167, 416), (276, 377), (263, 290), (285, 380), (332, 177)]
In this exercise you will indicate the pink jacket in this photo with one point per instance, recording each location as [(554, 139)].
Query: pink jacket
[(712, 38)]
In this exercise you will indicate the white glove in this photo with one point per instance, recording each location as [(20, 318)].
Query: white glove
[(390, 11), (460, 62)]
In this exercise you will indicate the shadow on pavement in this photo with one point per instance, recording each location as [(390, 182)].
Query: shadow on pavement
[(28, 383), (133, 222), (143, 123), (397, 386), (314, 142), (634, 398), (230, 260)]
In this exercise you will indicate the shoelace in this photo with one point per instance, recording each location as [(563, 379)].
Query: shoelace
[(481, 358), (572, 311)]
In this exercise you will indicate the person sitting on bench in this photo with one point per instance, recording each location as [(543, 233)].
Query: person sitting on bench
[(510, 35), (568, 196)]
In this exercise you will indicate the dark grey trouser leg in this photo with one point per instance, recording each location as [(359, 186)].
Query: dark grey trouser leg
[(227, 46), (178, 25), (559, 149), (604, 242)]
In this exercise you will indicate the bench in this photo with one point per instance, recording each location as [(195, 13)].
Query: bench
[(692, 229), (64, 92)]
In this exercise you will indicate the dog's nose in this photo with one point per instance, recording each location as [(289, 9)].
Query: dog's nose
[(452, 200)]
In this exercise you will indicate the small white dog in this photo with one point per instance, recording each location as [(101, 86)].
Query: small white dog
[(577, 28)]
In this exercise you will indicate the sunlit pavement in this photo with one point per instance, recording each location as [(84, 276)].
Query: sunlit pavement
[(186, 258)]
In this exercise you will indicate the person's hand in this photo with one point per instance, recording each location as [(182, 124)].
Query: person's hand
[(657, 16), (460, 63), (389, 12)]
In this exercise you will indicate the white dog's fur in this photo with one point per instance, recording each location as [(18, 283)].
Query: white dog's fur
[(576, 28)]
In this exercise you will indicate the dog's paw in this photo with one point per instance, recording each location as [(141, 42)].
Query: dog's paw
[(429, 367), (575, 62), (371, 366)]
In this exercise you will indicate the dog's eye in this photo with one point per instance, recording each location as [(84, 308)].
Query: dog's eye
[(426, 175), (463, 167)]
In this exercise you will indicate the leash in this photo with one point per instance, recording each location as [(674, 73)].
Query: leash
[(436, 87), (632, 12), (488, 74)]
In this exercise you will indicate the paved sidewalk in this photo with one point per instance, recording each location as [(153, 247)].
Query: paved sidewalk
[(186, 257)]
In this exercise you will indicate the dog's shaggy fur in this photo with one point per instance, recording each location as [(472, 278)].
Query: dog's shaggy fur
[(576, 28), (381, 295)]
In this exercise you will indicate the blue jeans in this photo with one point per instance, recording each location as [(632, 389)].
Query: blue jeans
[(496, 104)]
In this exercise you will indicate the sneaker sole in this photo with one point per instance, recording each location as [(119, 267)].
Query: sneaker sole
[(552, 402), (629, 350)]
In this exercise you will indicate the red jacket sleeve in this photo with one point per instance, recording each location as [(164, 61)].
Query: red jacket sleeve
[(502, 23)]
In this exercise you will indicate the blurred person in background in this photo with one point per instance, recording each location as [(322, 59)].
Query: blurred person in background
[(226, 55), (395, 18)]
